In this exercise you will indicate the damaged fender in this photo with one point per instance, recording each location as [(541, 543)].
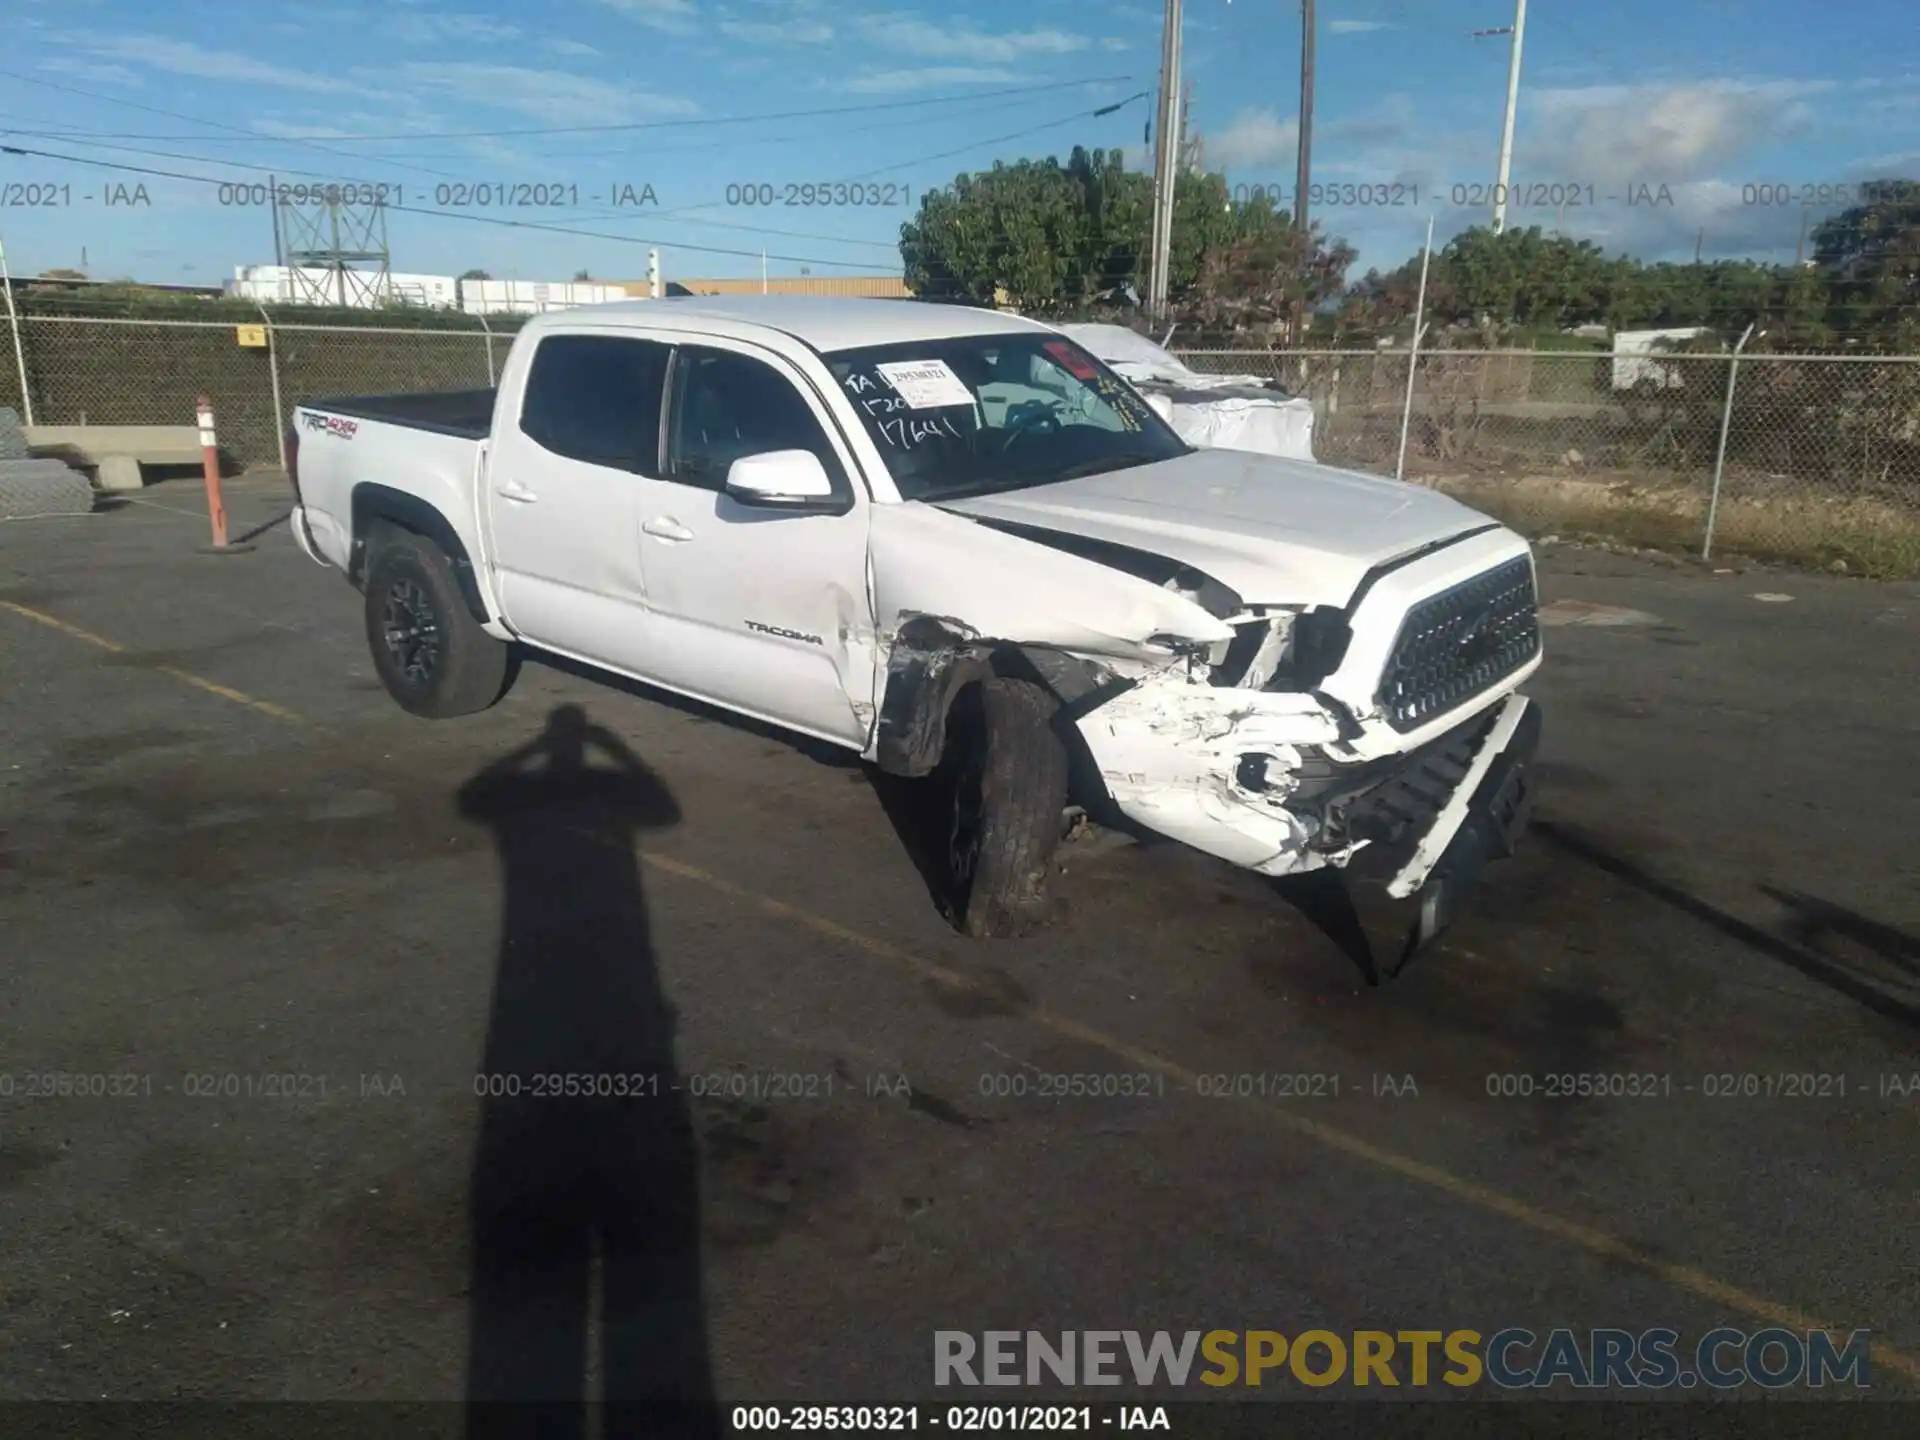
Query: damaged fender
[(1212, 768), (957, 601)]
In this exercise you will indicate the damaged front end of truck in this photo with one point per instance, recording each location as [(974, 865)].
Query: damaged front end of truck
[(1382, 736)]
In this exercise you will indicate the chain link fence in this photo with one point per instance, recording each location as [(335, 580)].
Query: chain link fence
[(1820, 461), (90, 370)]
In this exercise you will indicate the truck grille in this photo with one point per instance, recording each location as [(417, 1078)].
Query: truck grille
[(1455, 644)]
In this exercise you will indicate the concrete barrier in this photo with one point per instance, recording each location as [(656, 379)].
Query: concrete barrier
[(115, 453)]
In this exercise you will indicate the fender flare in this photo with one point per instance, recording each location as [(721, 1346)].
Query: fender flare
[(933, 660), (373, 504)]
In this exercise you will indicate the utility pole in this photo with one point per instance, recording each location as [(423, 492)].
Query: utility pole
[(1186, 114), (1519, 33), (1166, 162), (1303, 169), (13, 324), (1191, 156), (1303, 163)]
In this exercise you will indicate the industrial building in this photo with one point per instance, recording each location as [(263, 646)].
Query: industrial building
[(371, 289)]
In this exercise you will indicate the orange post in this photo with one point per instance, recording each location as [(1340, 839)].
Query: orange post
[(210, 455)]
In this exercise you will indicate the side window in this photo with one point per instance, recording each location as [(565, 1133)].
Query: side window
[(727, 406), (597, 398)]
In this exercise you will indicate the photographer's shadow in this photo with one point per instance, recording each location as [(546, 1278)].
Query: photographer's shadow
[(586, 1150)]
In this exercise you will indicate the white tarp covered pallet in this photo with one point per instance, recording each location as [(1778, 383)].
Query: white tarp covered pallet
[(1214, 412)]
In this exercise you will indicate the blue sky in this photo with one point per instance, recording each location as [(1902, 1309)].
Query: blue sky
[(1707, 97)]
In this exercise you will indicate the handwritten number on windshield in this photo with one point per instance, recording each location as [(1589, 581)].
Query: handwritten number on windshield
[(907, 433)]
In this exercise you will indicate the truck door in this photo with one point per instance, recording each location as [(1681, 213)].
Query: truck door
[(563, 494), (764, 612)]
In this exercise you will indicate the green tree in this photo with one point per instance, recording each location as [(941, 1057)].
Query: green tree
[(1254, 268), (1862, 285), (1054, 238), (1869, 257)]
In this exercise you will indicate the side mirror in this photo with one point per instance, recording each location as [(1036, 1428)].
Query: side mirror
[(792, 480)]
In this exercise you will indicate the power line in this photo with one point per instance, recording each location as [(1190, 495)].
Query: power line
[(1054, 124), (581, 129), (627, 151), (197, 120), (666, 216), (452, 214), (997, 139), (593, 213)]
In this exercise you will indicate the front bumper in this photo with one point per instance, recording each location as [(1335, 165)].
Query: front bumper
[(1247, 777)]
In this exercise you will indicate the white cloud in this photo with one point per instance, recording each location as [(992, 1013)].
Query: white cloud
[(1893, 162), (888, 82), (1690, 136), (285, 131), (430, 27), (1613, 135), (1254, 140), (802, 22), (557, 97), (574, 48), (778, 32), (98, 71), (1358, 27), (1114, 42), (183, 57), (673, 17), (912, 36)]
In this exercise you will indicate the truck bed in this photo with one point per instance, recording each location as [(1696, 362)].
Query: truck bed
[(465, 413)]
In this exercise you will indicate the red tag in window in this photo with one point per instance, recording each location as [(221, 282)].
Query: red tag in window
[(1071, 360)]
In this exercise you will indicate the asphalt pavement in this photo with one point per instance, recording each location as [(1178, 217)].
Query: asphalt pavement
[(279, 935)]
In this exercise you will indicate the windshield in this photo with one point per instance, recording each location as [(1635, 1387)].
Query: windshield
[(997, 412)]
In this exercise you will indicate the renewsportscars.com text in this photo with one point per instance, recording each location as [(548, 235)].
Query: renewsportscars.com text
[(1514, 1358)]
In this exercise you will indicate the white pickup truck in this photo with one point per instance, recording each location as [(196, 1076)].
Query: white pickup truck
[(955, 543)]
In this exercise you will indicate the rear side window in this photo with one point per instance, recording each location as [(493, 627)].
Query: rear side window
[(728, 406), (597, 398)]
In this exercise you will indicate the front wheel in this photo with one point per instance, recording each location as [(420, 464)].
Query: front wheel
[(1007, 773), (432, 655)]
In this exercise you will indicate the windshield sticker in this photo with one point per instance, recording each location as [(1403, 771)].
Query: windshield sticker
[(1074, 363), (925, 384), (1125, 403)]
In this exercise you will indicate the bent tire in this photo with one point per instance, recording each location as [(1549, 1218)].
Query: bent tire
[(432, 655), (1008, 787)]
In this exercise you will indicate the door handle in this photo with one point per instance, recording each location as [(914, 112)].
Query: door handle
[(665, 527), (514, 490)]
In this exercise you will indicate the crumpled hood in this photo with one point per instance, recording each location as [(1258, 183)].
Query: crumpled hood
[(1280, 532)]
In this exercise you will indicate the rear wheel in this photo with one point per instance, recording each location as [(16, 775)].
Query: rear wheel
[(432, 655), (1007, 787)]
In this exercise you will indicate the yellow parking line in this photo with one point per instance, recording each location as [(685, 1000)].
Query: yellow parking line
[(199, 682), (1596, 1242), (238, 697), (40, 617)]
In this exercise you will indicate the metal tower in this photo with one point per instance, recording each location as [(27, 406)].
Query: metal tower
[(337, 251)]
